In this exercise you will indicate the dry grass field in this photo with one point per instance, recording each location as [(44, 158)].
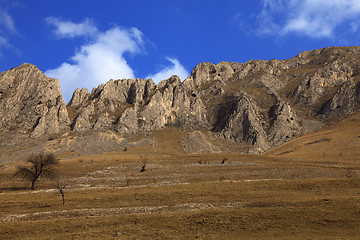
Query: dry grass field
[(308, 188)]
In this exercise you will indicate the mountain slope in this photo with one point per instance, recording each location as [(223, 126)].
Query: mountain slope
[(339, 141), (257, 105), (260, 103)]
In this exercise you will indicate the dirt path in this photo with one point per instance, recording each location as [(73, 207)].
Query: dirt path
[(72, 189), (184, 207)]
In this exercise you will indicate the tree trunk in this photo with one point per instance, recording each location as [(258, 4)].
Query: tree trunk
[(63, 197), (34, 179), (33, 184)]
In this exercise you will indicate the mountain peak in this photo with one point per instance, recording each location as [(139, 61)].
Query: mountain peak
[(258, 104)]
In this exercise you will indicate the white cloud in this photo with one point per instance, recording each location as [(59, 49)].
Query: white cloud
[(98, 61), (102, 58), (67, 29), (355, 26), (175, 69), (312, 18), (6, 21), (7, 27), (3, 41)]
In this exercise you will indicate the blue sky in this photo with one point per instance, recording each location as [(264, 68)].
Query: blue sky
[(86, 43)]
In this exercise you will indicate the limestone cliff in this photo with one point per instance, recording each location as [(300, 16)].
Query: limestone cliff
[(31, 103), (137, 105), (260, 104)]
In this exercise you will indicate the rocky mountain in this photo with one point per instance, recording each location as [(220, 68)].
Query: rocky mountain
[(30, 103), (258, 104)]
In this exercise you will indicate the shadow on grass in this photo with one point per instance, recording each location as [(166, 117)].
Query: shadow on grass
[(13, 189)]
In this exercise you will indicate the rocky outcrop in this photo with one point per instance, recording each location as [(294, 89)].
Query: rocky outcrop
[(284, 124), (259, 104), (206, 72), (30, 103), (138, 105), (79, 97), (346, 101), (245, 124), (322, 83)]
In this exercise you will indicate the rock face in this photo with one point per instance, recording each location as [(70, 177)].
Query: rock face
[(346, 100), (31, 103), (260, 104), (137, 105)]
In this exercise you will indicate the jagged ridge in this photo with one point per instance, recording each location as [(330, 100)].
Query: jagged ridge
[(259, 103)]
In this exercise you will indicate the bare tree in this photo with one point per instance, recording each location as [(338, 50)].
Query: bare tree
[(41, 165), (60, 184)]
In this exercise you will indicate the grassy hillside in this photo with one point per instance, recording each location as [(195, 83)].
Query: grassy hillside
[(308, 188), (337, 142)]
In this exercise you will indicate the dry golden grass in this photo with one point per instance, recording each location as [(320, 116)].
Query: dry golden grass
[(289, 209), (338, 142), (306, 189)]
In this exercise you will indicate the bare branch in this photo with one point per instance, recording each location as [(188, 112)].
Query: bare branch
[(41, 165), (60, 184)]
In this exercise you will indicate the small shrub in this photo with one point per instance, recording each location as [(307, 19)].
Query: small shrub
[(203, 162), (143, 167), (350, 173), (127, 182), (144, 161)]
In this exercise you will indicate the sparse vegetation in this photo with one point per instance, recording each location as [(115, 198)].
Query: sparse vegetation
[(143, 167), (221, 178), (60, 184), (295, 195), (144, 160), (350, 173), (201, 161), (41, 165), (127, 181), (319, 141)]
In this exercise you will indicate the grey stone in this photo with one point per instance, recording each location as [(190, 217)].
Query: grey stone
[(260, 104), (31, 103)]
